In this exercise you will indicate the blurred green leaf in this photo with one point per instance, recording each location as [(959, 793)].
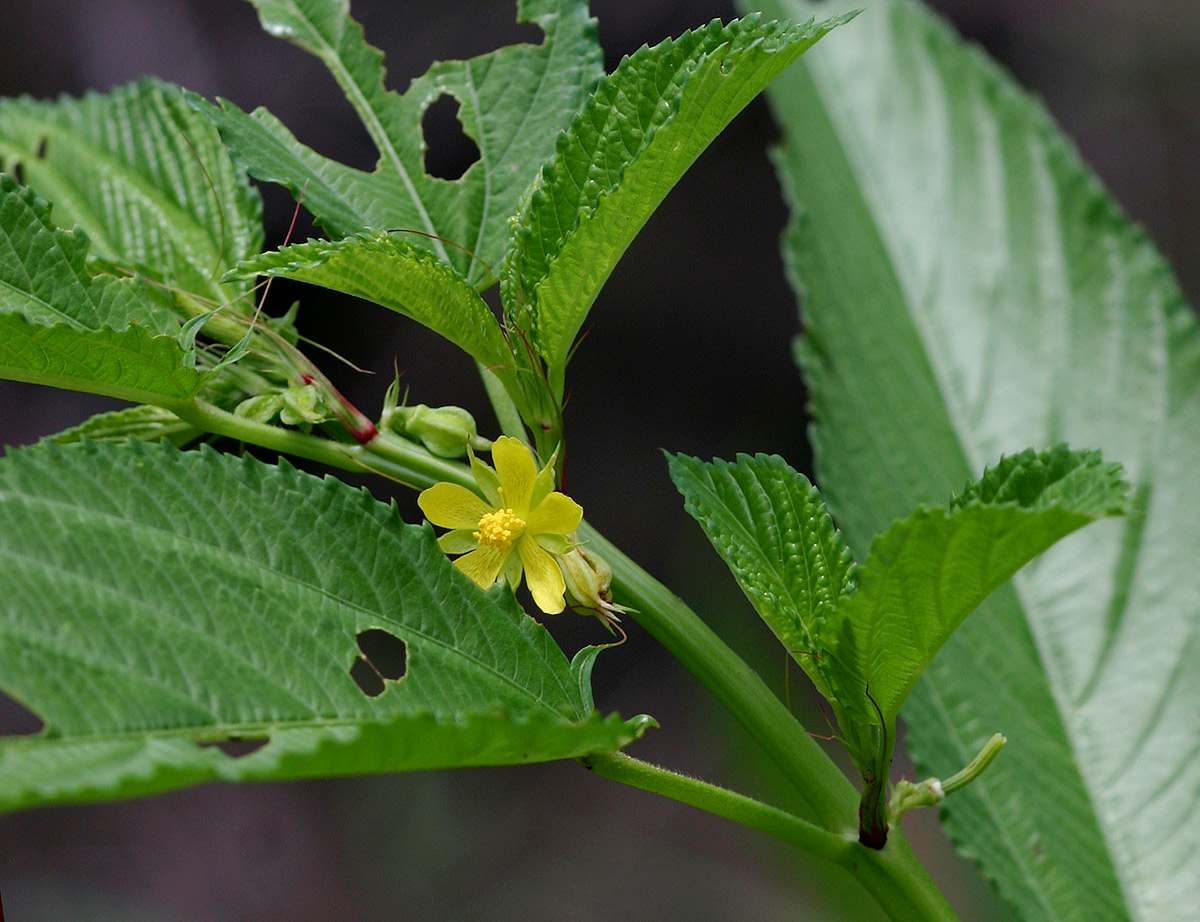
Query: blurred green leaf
[(145, 177), (62, 327), (970, 289)]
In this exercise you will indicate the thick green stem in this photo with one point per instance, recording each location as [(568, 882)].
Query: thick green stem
[(831, 798), (891, 875)]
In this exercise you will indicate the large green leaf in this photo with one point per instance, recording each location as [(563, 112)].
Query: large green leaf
[(637, 135), (156, 600), (390, 270), (514, 102), (145, 177), (970, 289), (61, 326)]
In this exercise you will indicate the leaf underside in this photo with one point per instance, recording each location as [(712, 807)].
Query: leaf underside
[(970, 289), (156, 601), (390, 270), (145, 177), (514, 102), (63, 327)]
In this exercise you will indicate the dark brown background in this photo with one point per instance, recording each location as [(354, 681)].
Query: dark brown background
[(672, 362)]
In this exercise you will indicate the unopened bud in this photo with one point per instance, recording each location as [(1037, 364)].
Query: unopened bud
[(262, 408), (588, 579), (303, 406), (445, 431)]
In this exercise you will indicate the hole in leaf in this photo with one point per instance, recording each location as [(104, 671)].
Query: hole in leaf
[(369, 682), (18, 720), (237, 747), (448, 150), (385, 652)]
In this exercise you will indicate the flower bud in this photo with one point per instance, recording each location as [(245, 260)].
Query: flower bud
[(262, 408), (588, 579), (303, 406), (445, 431)]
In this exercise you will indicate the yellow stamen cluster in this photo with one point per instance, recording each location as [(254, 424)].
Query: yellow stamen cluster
[(499, 529)]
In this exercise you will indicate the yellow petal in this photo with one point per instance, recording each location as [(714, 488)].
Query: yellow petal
[(486, 479), (543, 577), (483, 565), (512, 570), (544, 483), (517, 473), (448, 505), (556, 515), (459, 541)]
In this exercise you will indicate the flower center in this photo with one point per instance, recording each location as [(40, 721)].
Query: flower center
[(499, 529)]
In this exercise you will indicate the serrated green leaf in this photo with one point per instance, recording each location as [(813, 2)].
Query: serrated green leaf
[(156, 600), (514, 102), (62, 327), (44, 277), (638, 134), (145, 177), (390, 270), (930, 570), (130, 364), (970, 289), (770, 526)]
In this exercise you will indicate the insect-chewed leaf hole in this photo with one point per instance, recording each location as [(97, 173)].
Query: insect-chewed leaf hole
[(18, 720), (448, 151), (237, 747), (384, 656)]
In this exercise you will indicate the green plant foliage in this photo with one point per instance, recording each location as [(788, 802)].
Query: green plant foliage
[(969, 288), (147, 423), (514, 102), (769, 524), (864, 635), (157, 600), (390, 270), (145, 177), (62, 327), (638, 134), (927, 572)]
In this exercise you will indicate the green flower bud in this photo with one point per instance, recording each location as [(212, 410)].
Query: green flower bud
[(588, 580), (445, 431), (303, 407), (262, 408)]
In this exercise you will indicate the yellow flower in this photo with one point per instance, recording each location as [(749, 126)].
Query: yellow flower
[(520, 511)]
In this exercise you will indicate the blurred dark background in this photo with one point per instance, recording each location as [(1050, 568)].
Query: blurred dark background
[(690, 351)]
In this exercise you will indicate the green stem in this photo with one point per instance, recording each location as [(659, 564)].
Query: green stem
[(720, 801), (830, 797), (387, 455), (893, 875), (507, 414)]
